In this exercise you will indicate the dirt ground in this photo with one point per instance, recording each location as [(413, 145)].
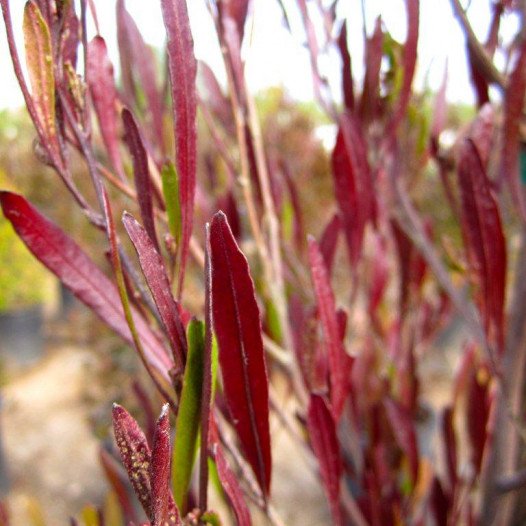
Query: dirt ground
[(51, 450)]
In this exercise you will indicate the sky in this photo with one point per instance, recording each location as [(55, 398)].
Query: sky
[(275, 57)]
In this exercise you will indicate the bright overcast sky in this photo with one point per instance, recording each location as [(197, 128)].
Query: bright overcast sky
[(277, 58)]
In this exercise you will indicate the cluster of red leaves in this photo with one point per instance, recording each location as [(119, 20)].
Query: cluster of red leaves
[(359, 396)]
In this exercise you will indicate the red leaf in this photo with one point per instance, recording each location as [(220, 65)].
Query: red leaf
[(160, 469), (322, 432), (141, 173), (450, 445), (237, 326), (347, 80), (482, 133), (231, 487), (304, 329), (206, 396), (369, 103), (477, 414), (70, 36), (331, 331), (155, 273), (484, 240), (133, 51), (513, 106), (183, 67), (104, 95), (478, 78), (237, 11), (353, 185), (404, 432), (135, 454), (216, 100), (62, 256), (118, 483), (329, 241), (409, 64), (439, 114)]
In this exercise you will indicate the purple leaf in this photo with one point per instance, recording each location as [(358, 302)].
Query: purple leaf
[(160, 469), (353, 185), (347, 79), (477, 413), (409, 64), (439, 114), (369, 103), (335, 351), (135, 454), (183, 67), (322, 432), (329, 241), (450, 445), (118, 483), (134, 52), (141, 173), (237, 11), (155, 273), (70, 36), (104, 95), (405, 435), (484, 240), (206, 394), (237, 326), (513, 107), (62, 256), (230, 485)]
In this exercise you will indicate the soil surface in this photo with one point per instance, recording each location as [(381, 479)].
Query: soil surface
[(52, 453)]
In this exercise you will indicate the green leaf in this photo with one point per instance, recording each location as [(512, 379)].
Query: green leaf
[(211, 518), (188, 416), (39, 60), (170, 182)]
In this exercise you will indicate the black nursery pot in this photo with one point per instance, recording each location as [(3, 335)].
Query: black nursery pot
[(21, 335)]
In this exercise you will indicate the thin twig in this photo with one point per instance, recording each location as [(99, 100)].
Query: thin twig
[(490, 72)]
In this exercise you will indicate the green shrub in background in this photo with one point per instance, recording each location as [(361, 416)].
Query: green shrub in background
[(23, 281)]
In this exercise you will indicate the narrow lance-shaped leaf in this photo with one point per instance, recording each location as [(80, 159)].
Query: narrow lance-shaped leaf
[(439, 114), (338, 367), (62, 256), (369, 102), (409, 63), (136, 55), (208, 379), (230, 485), (39, 60), (237, 326), (322, 432), (347, 79), (352, 184), (135, 454), (329, 241), (171, 198), (141, 173), (484, 240), (102, 87), (115, 259), (118, 483), (160, 470), (188, 417), (404, 431), (513, 111), (183, 68), (155, 273)]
